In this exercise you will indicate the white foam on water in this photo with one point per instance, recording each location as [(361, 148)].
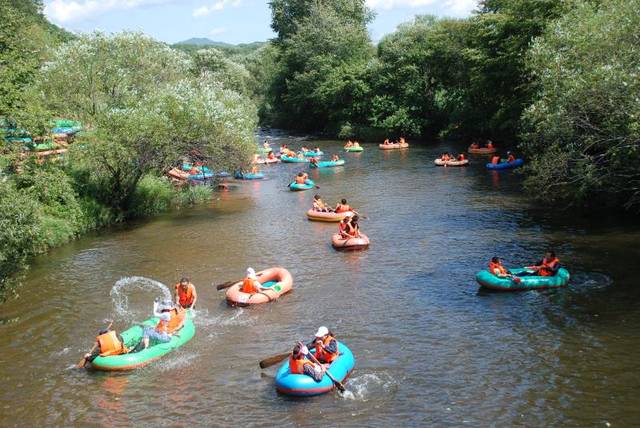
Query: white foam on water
[(367, 385), (204, 320), (125, 285), (175, 361)]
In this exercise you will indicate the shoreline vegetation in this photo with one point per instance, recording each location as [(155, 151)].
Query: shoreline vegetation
[(558, 78)]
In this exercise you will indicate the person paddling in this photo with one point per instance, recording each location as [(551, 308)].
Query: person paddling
[(250, 283), (185, 294), (171, 320), (300, 364), (108, 343), (510, 157), (300, 178), (495, 160), (548, 266), (497, 269), (313, 161), (326, 346), (349, 228), (342, 207)]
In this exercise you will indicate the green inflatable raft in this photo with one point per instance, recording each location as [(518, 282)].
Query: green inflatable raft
[(488, 280), (154, 352)]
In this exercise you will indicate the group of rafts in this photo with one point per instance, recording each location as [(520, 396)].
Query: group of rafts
[(305, 372), (497, 163)]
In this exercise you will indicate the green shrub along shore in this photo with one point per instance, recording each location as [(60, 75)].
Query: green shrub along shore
[(557, 78)]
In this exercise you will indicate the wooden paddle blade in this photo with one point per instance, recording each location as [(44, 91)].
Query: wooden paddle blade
[(82, 363), (225, 285), (268, 362)]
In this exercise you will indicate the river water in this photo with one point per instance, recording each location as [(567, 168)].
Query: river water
[(430, 347)]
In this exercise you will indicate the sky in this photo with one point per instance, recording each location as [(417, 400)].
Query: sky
[(231, 21)]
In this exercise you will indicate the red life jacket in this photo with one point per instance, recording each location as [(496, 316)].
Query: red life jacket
[(324, 356), (493, 267), (296, 366), (547, 267), (249, 286), (185, 297), (495, 160), (343, 208)]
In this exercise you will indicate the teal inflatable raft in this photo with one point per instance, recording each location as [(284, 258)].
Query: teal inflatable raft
[(154, 352), (327, 164), (285, 158), (308, 185), (488, 280)]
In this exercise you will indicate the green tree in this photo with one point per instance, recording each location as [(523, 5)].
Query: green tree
[(583, 130), (320, 63)]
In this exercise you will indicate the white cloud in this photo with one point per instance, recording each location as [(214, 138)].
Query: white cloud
[(65, 11), (454, 7), (215, 7), (217, 31)]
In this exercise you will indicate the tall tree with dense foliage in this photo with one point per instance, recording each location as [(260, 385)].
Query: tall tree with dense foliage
[(145, 109), (583, 131), (323, 49)]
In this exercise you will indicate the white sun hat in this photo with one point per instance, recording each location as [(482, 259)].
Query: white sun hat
[(251, 274), (322, 331)]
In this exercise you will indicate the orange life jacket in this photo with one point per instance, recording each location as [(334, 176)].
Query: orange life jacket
[(174, 324), (324, 356), (300, 180), (547, 267), (110, 344), (343, 208), (271, 155), (296, 366), (493, 267), (495, 160), (249, 286), (489, 145), (185, 297)]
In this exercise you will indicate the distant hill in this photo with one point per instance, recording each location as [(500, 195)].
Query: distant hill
[(202, 41), (230, 50)]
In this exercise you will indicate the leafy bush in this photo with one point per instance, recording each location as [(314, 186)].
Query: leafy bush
[(192, 195), (152, 196)]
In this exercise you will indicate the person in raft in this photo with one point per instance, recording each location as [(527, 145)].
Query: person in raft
[(185, 294), (108, 343), (402, 141), (386, 142), (461, 157), (250, 283), (171, 320), (445, 157), (548, 266), (474, 145), (319, 205), (349, 144), (271, 156), (300, 364), (489, 144), (342, 207), (349, 228), (356, 144), (300, 178), (313, 161), (326, 346), (255, 170), (335, 158), (510, 157), (495, 159), (266, 144)]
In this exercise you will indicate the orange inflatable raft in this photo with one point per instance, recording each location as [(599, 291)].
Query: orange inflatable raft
[(394, 146), (277, 281), (328, 217), (482, 150), (339, 243)]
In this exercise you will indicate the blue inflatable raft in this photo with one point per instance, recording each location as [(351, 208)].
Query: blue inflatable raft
[(305, 386), (249, 176), (308, 185), (285, 158), (534, 282), (327, 164), (506, 165)]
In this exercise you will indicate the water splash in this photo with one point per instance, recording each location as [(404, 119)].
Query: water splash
[(119, 292), (369, 385)]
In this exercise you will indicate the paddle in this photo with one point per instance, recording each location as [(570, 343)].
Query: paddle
[(83, 361), (335, 381), (360, 215), (230, 283), (268, 362)]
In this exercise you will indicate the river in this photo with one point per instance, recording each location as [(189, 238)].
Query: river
[(431, 348)]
